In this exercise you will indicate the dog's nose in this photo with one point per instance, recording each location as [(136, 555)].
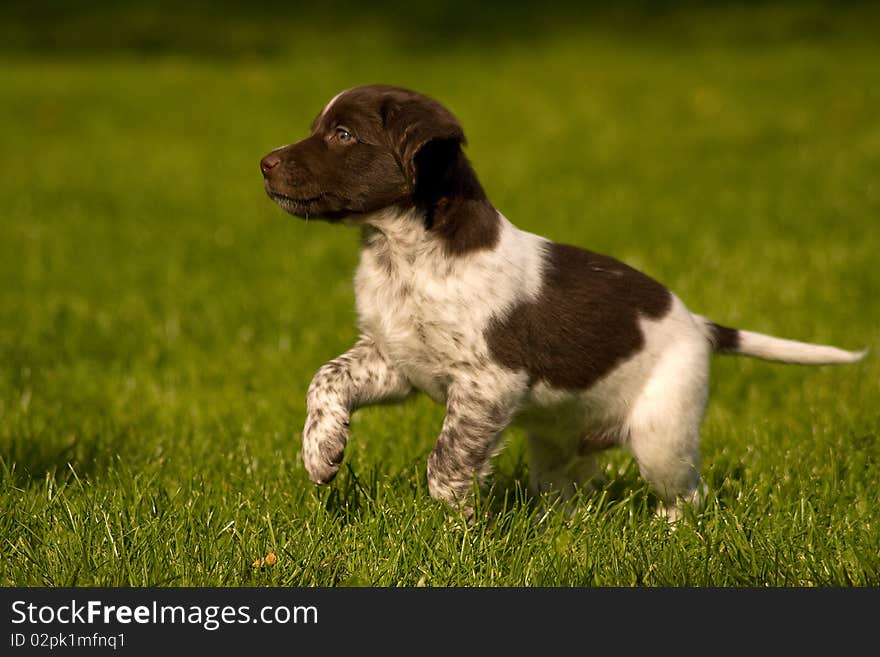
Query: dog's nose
[(268, 163)]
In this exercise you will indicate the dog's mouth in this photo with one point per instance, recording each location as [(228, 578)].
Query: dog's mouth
[(297, 206)]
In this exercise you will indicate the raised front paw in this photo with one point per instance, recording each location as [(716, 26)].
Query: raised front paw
[(324, 438)]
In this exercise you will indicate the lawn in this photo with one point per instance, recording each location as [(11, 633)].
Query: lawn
[(160, 318)]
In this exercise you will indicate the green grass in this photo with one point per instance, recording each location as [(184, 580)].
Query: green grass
[(160, 318)]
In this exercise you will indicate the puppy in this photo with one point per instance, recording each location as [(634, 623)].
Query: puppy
[(497, 324)]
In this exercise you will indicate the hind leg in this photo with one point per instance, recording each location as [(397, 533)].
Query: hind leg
[(664, 427), (560, 467)]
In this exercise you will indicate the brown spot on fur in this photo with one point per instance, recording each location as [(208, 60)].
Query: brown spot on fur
[(455, 206), (724, 340), (583, 323)]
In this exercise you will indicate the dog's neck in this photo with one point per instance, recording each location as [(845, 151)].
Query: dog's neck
[(399, 231), (449, 209)]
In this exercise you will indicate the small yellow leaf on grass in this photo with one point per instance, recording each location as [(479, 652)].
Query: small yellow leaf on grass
[(268, 560)]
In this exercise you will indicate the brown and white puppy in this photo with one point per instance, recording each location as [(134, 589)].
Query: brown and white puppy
[(497, 324)]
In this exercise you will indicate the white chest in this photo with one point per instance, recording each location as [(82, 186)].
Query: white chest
[(428, 311), (421, 317)]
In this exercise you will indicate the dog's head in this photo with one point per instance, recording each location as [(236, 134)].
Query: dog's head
[(370, 148)]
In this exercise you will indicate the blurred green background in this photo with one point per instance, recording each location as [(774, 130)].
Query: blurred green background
[(160, 318)]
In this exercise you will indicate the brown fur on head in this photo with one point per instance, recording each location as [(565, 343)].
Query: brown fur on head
[(364, 154)]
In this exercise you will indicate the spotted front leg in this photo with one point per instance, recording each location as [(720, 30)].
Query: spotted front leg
[(359, 377), (476, 414)]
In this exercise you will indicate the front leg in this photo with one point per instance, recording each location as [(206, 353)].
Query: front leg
[(477, 411), (359, 377)]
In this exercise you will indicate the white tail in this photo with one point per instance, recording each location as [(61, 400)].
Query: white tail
[(726, 340), (791, 351)]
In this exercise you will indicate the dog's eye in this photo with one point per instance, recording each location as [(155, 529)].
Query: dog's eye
[(343, 135)]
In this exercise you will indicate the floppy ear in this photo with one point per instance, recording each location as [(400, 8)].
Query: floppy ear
[(414, 123)]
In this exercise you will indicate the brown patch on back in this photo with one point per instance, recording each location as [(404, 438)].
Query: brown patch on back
[(583, 323)]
